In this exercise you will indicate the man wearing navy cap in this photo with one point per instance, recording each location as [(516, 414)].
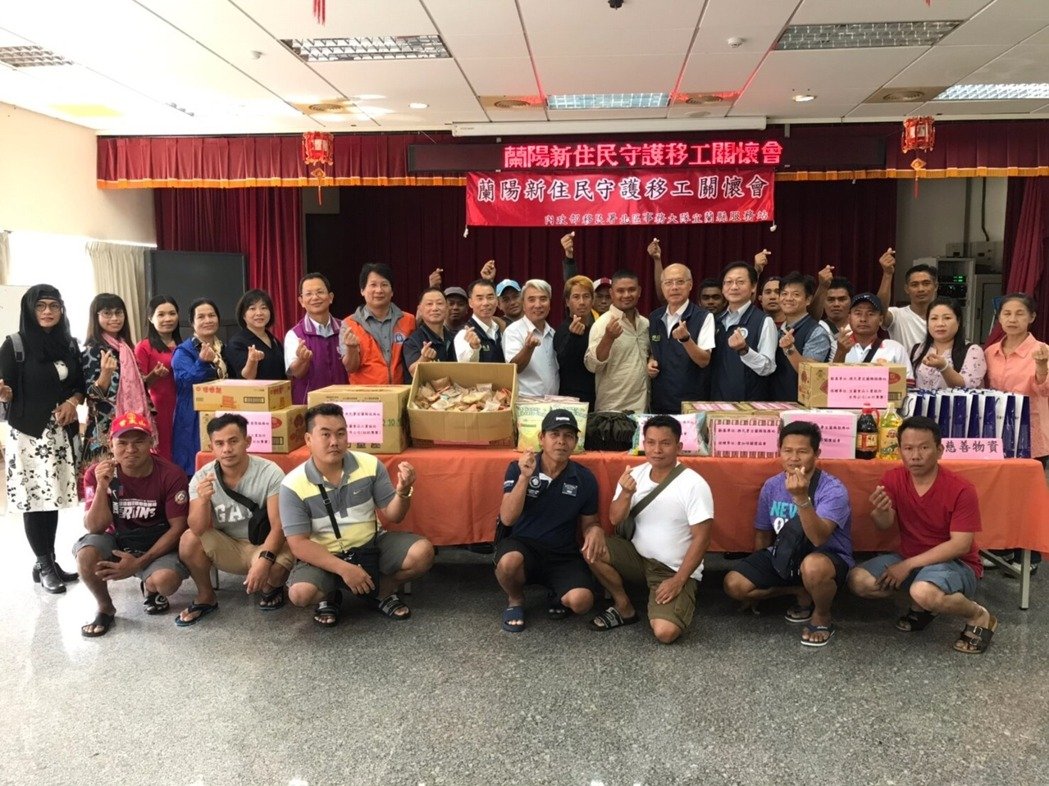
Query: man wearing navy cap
[(509, 293), (548, 502), (862, 344)]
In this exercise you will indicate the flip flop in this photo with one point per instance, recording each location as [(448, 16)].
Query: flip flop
[(200, 609), (611, 618), (513, 614), (274, 599), (915, 620), (391, 605), (799, 613), (102, 620), (555, 609), (810, 629)]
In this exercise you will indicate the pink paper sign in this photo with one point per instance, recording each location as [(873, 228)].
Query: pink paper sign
[(746, 438), (260, 429), (974, 449), (856, 386), (837, 432), (364, 422)]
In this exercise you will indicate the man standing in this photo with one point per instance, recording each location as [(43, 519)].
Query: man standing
[(906, 324), (572, 338), (618, 350), (863, 345), (480, 340), (711, 297), (769, 299), (670, 538), (801, 336), (327, 510), (373, 337), (224, 496), (528, 343), (312, 352), (602, 295), (745, 350), (825, 521), (938, 515), (681, 338), (457, 308), (136, 512), (509, 293), (549, 502)]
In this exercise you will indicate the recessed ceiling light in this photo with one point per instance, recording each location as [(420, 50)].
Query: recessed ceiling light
[(865, 35), (1038, 90), (804, 98), (31, 57), (396, 47), (417, 105), (608, 101), (510, 103), (904, 96)]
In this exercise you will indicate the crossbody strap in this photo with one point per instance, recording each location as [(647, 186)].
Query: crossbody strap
[(331, 514), (871, 352), (235, 496), (636, 510)]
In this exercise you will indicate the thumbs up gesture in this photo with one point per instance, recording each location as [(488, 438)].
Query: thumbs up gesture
[(578, 326)]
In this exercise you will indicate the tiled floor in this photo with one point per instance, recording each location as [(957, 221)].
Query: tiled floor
[(447, 698)]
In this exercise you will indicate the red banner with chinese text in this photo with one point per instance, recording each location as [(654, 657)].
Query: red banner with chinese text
[(715, 196)]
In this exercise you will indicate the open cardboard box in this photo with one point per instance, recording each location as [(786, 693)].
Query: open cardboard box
[(430, 428)]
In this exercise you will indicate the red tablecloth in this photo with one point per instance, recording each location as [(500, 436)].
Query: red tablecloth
[(458, 491)]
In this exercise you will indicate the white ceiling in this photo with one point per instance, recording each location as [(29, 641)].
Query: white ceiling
[(217, 66)]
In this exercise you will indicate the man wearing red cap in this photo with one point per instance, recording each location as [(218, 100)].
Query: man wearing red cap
[(137, 505)]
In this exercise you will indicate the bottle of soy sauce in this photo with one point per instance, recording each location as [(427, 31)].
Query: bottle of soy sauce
[(867, 435)]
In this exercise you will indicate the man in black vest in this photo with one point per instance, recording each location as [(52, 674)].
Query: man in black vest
[(801, 336), (745, 348), (681, 338), (480, 340)]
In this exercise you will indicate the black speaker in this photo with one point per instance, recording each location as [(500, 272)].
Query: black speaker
[(188, 275)]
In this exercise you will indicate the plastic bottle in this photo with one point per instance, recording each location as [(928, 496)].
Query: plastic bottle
[(888, 436), (866, 435)]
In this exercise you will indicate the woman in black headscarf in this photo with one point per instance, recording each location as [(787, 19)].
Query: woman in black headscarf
[(42, 382)]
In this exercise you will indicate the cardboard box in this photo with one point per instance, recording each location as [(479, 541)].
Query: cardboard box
[(743, 434), (813, 378), (242, 395), (430, 428), (529, 414), (837, 429), (688, 407), (375, 414), (281, 431)]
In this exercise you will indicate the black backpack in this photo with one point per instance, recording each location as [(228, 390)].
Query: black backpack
[(610, 431)]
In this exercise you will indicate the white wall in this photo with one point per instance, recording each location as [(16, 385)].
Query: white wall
[(47, 183)]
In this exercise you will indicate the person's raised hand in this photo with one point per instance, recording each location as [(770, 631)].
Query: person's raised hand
[(736, 340), (488, 271), (654, 250), (933, 360), (428, 352), (761, 260), (207, 353), (614, 328), (160, 370), (255, 355), (105, 471), (435, 277), (680, 331), (578, 326), (825, 275), (880, 499), (472, 338), (627, 482), (888, 261), (304, 353), (1041, 354), (526, 464), (786, 341), (568, 244)]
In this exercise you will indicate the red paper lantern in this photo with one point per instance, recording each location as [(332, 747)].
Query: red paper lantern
[(919, 133), (318, 152)]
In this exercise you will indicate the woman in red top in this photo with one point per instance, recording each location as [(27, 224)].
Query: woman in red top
[(154, 361)]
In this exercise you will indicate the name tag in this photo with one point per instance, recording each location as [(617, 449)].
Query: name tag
[(569, 490)]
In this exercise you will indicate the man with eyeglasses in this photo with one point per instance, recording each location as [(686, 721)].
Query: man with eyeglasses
[(313, 356)]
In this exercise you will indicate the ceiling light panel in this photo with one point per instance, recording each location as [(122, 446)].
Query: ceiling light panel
[(31, 57), (608, 101), (865, 35), (400, 47), (995, 92)]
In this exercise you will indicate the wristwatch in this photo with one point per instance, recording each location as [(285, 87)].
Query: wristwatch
[(411, 490), (268, 555), (686, 339), (789, 351)]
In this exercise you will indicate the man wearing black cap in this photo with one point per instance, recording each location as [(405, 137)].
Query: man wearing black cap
[(862, 344), (548, 500)]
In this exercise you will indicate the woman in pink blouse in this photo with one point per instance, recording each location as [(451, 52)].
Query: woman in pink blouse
[(944, 359), (154, 361)]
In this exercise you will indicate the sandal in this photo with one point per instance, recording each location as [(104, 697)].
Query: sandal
[(327, 613), (611, 618), (974, 639), (155, 603), (200, 609), (392, 607), (103, 621), (811, 629), (799, 613), (513, 619), (274, 599), (555, 609), (915, 620)]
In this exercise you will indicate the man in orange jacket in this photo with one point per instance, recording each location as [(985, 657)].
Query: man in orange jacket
[(374, 334)]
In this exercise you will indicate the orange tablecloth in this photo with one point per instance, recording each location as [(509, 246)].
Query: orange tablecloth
[(458, 491)]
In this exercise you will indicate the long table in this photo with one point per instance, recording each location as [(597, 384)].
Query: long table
[(458, 491)]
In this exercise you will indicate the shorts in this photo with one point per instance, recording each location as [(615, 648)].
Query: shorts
[(758, 570), (635, 569), (950, 577), (106, 544), (558, 571), (237, 556), (393, 550)]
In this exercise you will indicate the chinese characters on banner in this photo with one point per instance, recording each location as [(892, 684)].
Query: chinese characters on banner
[(620, 198), (644, 155), (986, 448)]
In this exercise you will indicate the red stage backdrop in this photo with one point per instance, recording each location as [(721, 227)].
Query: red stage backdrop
[(620, 198)]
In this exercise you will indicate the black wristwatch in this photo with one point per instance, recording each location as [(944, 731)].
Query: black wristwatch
[(685, 340), (268, 555)]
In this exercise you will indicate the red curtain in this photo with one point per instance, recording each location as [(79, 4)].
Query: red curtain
[(263, 223), (1026, 243), (416, 230)]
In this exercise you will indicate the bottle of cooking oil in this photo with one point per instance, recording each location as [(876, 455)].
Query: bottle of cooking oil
[(888, 436)]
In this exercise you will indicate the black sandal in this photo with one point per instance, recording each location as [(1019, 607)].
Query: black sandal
[(915, 620), (391, 607), (974, 639), (155, 603), (273, 600), (103, 621), (555, 609), (327, 613), (611, 618)]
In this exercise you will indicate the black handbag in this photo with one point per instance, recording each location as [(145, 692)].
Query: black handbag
[(259, 523), (610, 431), (792, 544), (365, 557)]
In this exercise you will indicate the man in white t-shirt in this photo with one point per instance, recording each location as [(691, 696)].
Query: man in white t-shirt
[(862, 344), (670, 537), (906, 324)]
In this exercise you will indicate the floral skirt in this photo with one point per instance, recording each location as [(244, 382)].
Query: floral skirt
[(41, 473)]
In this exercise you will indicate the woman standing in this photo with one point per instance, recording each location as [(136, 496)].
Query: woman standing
[(197, 359), (42, 381), (943, 360), (253, 352), (153, 354), (114, 385)]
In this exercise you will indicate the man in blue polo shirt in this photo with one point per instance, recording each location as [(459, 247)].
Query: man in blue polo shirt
[(547, 500)]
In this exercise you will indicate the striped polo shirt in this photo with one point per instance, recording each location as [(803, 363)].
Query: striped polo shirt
[(365, 485)]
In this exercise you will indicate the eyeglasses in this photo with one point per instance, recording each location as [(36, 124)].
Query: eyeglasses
[(111, 312), (43, 306), (676, 282)]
